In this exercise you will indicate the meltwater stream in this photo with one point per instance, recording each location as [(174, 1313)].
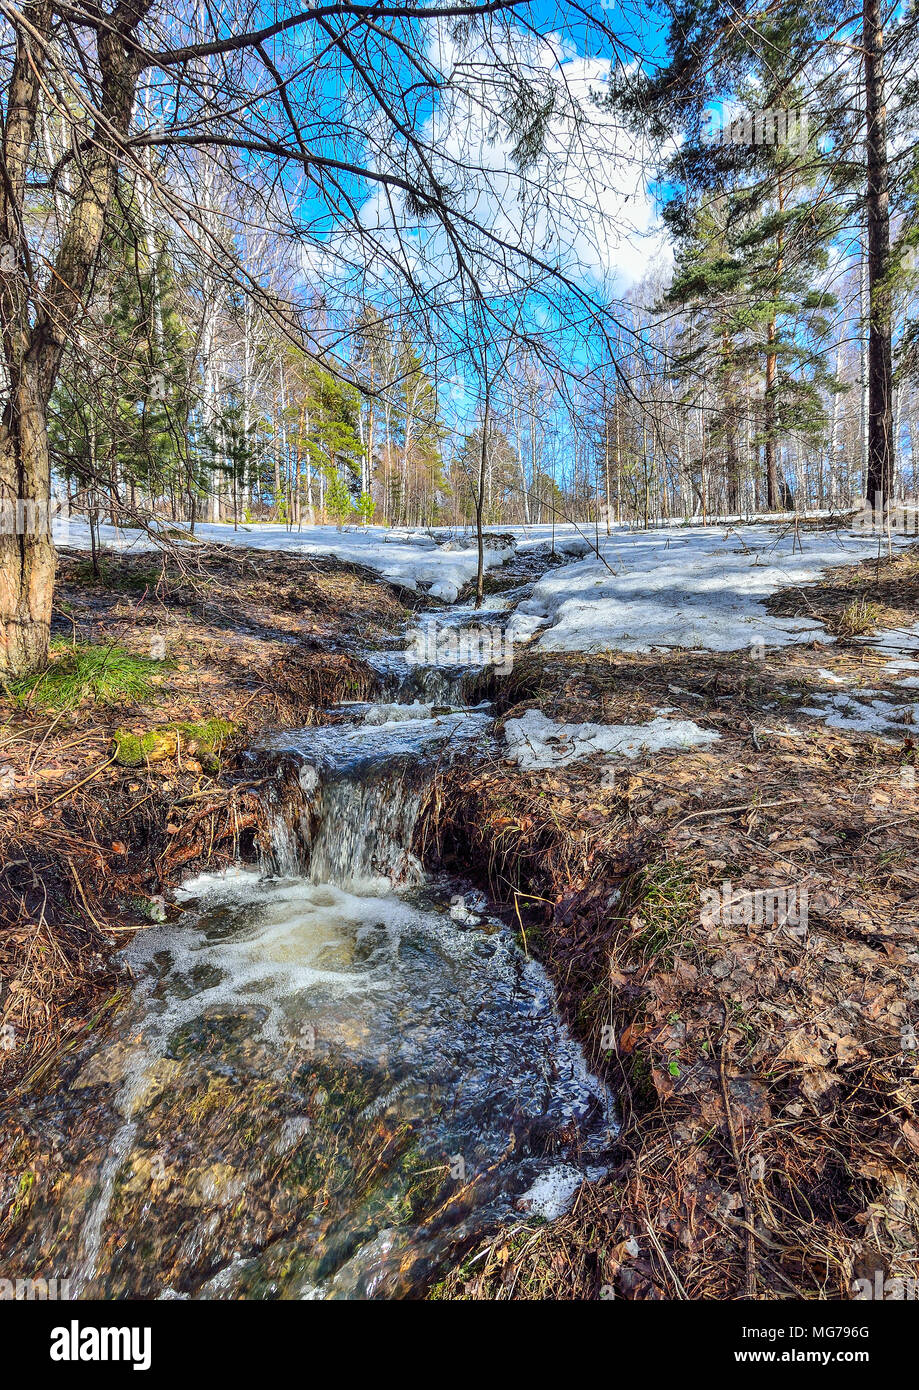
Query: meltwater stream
[(332, 1077)]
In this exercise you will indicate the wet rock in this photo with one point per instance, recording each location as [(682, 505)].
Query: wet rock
[(294, 1128), (468, 909), (107, 1067), (159, 1077), (216, 1186)]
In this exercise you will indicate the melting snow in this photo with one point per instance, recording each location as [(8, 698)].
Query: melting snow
[(863, 715), (899, 642), (831, 677), (535, 742), (677, 586), (413, 559), (688, 587)]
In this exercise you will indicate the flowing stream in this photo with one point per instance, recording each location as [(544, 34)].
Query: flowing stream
[(335, 1072)]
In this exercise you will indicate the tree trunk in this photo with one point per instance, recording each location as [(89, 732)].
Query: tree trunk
[(769, 410), (769, 423), (480, 499), (729, 425), (27, 554), (879, 482), (35, 320)]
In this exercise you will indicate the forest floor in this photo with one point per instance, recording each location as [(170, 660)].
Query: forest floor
[(765, 1070), (762, 1043)]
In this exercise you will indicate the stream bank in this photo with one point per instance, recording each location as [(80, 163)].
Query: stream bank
[(763, 1055), (192, 655)]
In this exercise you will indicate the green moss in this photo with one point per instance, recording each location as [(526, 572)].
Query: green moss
[(669, 910), (164, 741), (209, 734), (132, 749), (85, 671), (641, 1082)]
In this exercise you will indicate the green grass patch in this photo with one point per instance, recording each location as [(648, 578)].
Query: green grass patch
[(669, 909), (858, 617), (87, 672)]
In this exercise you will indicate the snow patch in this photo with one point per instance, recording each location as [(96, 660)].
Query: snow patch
[(535, 742), (523, 626), (413, 559), (689, 587), (864, 715)]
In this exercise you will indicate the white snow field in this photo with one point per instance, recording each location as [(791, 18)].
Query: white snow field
[(680, 586), (413, 559), (689, 587)]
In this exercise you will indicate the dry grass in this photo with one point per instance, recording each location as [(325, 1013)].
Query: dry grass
[(768, 1088), (855, 599), (859, 617)]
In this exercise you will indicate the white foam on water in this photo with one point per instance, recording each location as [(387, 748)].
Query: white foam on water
[(553, 1193)]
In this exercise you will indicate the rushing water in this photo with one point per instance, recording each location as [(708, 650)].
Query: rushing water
[(332, 1076)]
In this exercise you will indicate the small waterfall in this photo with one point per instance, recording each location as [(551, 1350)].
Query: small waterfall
[(285, 856), (404, 682), (303, 1018), (446, 657), (365, 830), (347, 816)]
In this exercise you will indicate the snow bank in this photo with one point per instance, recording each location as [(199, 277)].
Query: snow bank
[(687, 587), (413, 559), (535, 742)]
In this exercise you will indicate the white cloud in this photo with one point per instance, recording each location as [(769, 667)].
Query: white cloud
[(582, 207)]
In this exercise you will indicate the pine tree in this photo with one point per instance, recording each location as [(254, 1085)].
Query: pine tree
[(713, 58), (120, 417), (755, 213)]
